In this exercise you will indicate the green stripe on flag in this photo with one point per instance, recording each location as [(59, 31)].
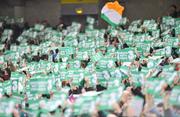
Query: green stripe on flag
[(108, 20)]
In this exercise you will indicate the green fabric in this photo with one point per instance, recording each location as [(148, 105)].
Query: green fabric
[(107, 20), (126, 55), (40, 85)]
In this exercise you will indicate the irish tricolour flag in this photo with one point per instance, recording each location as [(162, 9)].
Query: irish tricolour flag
[(112, 13)]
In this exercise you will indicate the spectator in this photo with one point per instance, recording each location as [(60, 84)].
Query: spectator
[(7, 44), (173, 11), (26, 26), (56, 56)]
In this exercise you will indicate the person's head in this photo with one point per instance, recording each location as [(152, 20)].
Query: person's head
[(65, 83), (38, 54), (173, 11), (104, 51), (53, 112), (57, 51), (97, 50), (74, 87), (159, 19), (83, 65), (137, 59), (20, 106), (5, 72), (125, 96), (118, 63), (144, 62), (68, 66), (136, 91), (116, 39), (27, 105), (173, 7), (160, 109), (51, 52)]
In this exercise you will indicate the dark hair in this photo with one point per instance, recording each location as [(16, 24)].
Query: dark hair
[(168, 88), (46, 96), (24, 72), (27, 105), (151, 50), (52, 112), (6, 95), (160, 105), (57, 50), (125, 45), (137, 58), (137, 91), (116, 63), (174, 6), (20, 106)]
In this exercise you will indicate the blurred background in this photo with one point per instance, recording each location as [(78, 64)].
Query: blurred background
[(55, 11)]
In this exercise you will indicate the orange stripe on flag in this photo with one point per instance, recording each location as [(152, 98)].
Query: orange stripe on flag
[(116, 6)]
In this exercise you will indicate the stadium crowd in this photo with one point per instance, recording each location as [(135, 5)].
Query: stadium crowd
[(132, 70)]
